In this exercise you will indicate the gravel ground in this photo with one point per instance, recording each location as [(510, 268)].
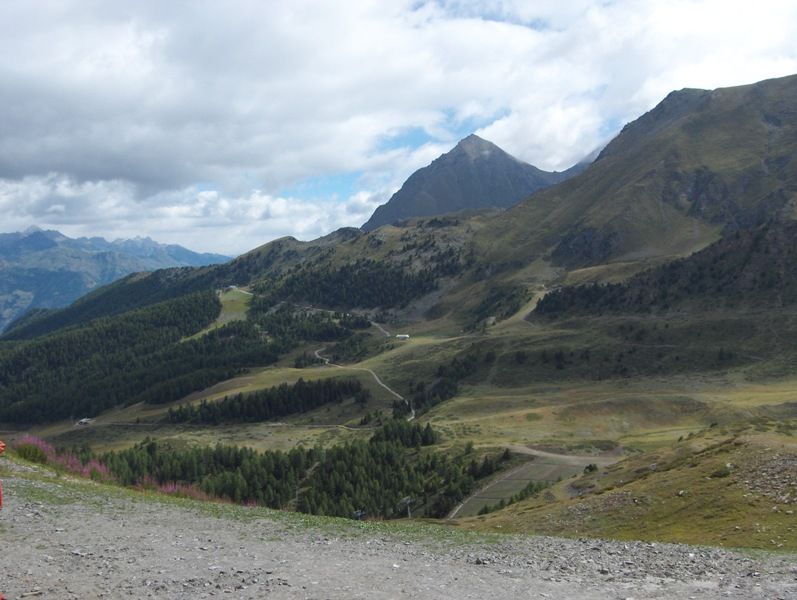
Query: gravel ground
[(65, 544)]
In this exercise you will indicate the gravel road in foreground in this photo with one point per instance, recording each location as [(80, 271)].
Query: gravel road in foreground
[(60, 544)]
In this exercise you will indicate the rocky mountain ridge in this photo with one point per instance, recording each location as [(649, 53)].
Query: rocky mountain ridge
[(475, 174)]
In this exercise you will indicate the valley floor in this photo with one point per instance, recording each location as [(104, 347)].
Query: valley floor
[(73, 539)]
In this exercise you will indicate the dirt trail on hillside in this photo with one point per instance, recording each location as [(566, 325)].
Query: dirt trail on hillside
[(376, 377), (570, 459), (78, 542)]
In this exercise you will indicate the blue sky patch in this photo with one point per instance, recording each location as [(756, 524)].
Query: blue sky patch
[(413, 137), (339, 186)]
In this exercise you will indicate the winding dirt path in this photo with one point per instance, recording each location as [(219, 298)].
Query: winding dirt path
[(567, 459), (374, 375)]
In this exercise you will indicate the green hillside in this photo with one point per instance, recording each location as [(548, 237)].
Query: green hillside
[(649, 299), (699, 164)]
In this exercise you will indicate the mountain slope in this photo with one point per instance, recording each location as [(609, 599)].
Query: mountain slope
[(754, 268), (475, 174), (419, 258), (46, 269), (699, 164), (700, 344)]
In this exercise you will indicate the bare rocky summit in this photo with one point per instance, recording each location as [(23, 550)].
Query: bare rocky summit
[(475, 174)]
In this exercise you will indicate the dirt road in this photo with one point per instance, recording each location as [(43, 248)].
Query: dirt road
[(327, 362), (66, 541), (570, 459)]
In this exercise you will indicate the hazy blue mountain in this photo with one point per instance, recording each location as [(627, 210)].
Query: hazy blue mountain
[(46, 269), (474, 174)]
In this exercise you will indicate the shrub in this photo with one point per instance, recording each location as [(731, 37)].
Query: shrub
[(37, 450), (31, 453), (722, 472), (34, 449)]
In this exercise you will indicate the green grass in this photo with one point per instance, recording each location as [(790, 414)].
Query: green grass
[(531, 403), (234, 304), (507, 402), (123, 427), (674, 494), (640, 381), (513, 480)]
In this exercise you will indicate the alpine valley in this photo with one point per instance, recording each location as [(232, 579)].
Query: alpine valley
[(604, 352), (46, 269)]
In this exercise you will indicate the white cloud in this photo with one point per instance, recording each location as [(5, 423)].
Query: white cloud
[(169, 119), (202, 220)]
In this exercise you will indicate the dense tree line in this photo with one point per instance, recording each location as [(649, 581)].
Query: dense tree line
[(97, 371), (369, 477), (377, 478), (237, 474), (365, 283), (351, 349), (142, 290), (408, 434), (109, 361), (144, 356), (294, 325), (272, 403), (425, 397), (585, 298), (130, 293), (748, 268), (305, 359), (460, 367), (135, 330)]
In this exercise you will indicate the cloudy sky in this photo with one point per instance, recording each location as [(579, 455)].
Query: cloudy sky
[(222, 125)]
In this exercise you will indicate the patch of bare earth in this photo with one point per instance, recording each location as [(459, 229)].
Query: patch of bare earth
[(771, 473)]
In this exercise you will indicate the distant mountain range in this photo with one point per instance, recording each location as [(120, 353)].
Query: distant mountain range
[(46, 269), (474, 174)]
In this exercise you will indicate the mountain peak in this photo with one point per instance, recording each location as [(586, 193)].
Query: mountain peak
[(473, 140), (475, 174), (475, 147)]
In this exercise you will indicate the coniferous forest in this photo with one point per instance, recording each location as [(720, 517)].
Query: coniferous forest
[(149, 355), (374, 478), (749, 269), (272, 403), (365, 283)]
